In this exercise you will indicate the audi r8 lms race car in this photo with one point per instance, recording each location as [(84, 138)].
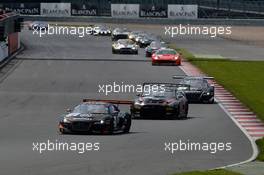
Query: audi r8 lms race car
[(119, 33), (153, 47), (166, 55), (101, 30), (161, 100), (200, 89), (98, 116), (38, 25), (124, 46)]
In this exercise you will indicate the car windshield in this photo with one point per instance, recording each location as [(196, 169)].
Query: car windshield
[(166, 52), (158, 93), (194, 83), (91, 109), (155, 45), (125, 41), (101, 27)]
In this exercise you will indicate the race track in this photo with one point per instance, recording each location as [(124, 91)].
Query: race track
[(56, 72)]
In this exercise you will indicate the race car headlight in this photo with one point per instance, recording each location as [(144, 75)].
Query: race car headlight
[(138, 103), (134, 47), (117, 46), (66, 120), (156, 57), (102, 122), (208, 93), (176, 57)]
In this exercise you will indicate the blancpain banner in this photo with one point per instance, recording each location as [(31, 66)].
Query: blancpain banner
[(125, 10), (55, 9), (183, 11)]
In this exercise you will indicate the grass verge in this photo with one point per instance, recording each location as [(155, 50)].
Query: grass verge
[(211, 172), (260, 143), (244, 79)]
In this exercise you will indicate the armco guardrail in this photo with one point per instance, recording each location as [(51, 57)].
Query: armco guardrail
[(10, 26)]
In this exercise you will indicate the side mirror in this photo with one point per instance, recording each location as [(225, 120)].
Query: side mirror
[(68, 110)]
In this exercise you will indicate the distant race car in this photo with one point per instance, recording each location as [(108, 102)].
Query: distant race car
[(153, 47), (132, 35), (119, 33), (38, 25), (145, 40), (166, 55), (200, 89), (164, 100), (96, 116), (101, 30), (124, 46)]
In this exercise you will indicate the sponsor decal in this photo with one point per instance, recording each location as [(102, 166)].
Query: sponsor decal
[(23, 8), (153, 11), (83, 10), (55, 9), (125, 10), (183, 11)]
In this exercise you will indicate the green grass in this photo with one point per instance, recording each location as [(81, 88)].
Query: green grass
[(186, 54), (244, 79), (212, 172), (260, 143)]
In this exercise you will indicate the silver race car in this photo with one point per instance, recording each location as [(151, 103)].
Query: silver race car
[(125, 46)]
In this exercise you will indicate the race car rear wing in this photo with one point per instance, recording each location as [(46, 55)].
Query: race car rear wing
[(175, 85), (182, 77), (122, 102)]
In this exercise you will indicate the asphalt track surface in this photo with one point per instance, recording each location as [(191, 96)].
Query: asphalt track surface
[(206, 46), (56, 72)]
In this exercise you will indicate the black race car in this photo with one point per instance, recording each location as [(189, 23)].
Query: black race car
[(161, 100), (96, 116), (124, 46), (200, 89), (153, 47), (119, 33), (38, 25), (146, 39)]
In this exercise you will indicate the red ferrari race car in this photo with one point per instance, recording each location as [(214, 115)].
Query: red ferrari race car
[(167, 56)]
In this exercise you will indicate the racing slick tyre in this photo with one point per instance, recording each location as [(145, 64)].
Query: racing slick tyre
[(211, 101), (62, 131), (111, 127), (148, 54), (185, 116), (136, 52), (128, 124), (113, 51)]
